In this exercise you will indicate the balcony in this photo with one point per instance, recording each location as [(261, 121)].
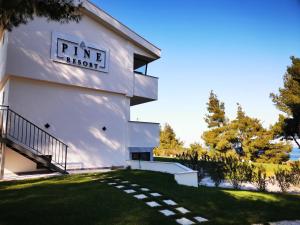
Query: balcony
[(145, 89), (143, 135)]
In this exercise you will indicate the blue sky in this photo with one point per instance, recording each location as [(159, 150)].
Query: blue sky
[(240, 49)]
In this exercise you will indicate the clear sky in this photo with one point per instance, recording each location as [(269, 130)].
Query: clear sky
[(238, 48)]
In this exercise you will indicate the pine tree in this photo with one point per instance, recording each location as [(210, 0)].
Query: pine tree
[(247, 137), (168, 138), (257, 142), (288, 101), (169, 144), (216, 112), (16, 12)]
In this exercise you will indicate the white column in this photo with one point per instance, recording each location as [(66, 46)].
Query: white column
[(2, 160)]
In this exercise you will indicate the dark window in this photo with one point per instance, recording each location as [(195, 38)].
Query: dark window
[(144, 156)]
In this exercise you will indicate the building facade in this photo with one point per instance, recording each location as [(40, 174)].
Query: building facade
[(75, 84)]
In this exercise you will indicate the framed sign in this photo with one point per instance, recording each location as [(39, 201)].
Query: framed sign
[(71, 50)]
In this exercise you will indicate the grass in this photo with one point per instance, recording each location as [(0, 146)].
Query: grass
[(82, 199)]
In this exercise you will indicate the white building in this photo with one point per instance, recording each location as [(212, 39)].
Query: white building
[(73, 85)]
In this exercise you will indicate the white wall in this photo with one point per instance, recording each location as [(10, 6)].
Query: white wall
[(76, 116), (29, 55), (145, 86), (3, 52), (182, 174), (14, 162), (143, 134)]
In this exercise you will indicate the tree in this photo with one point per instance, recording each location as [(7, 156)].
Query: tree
[(169, 144), (168, 138), (246, 137), (288, 101), (216, 112), (16, 12), (257, 142)]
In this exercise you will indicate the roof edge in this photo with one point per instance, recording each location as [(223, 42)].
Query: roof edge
[(121, 28)]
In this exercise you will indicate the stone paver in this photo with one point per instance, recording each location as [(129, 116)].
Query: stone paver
[(129, 191), (145, 189), (167, 212), (169, 202), (154, 194), (286, 222), (125, 182), (183, 210), (141, 196), (184, 221), (200, 219), (120, 186), (153, 204)]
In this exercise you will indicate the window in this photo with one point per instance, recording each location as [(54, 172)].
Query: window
[(144, 156)]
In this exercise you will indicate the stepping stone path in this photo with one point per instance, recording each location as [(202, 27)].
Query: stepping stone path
[(200, 219), (182, 210), (125, 182), (129, 191), (145, 189), (184, 221), (167, 207), (141, 196), (170, 202), (167, 212), (153, 204), (155, 194)]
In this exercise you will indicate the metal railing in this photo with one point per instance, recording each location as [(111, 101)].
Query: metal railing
[(18, 129)]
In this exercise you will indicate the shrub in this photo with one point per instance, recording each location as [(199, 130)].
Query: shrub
[(260, 178), (217, 172), (283, 178), (295, 173), (237, 172)]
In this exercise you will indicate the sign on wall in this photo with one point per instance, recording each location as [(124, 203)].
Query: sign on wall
[(76, 52)]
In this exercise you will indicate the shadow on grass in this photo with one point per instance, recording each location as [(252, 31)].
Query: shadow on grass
[(76, 199), (82, 199), (222, 206)]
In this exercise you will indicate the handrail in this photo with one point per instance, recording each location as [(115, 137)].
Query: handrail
[(22, 131)]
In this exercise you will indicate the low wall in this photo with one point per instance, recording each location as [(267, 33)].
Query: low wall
[(182, 174)]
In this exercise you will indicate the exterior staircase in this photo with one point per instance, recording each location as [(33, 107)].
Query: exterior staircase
[(29, 140)]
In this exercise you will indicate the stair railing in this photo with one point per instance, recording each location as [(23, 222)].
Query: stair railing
[(21, 131)]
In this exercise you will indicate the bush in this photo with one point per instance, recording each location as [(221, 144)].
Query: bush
[(237, 172), (260, 178), (295, 173), (217, 172), (284, 179)]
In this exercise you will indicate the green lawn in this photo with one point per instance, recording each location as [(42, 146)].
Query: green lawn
[(82, 199)]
